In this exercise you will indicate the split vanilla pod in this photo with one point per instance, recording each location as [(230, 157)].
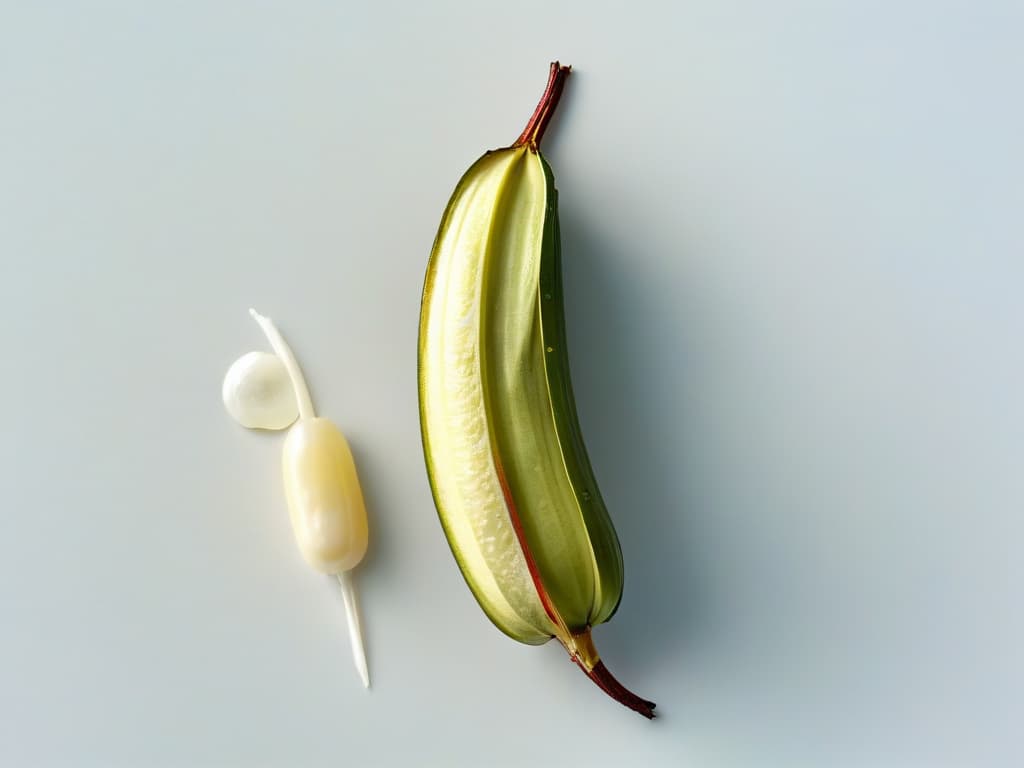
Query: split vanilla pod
[(509, 472)]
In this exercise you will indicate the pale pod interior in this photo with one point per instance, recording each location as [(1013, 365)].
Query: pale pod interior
[(258, 392)]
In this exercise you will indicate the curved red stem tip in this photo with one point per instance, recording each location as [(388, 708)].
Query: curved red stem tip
[(534, 130), (607, 683)]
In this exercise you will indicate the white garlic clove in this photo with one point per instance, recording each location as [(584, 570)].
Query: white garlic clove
[(258, 392)]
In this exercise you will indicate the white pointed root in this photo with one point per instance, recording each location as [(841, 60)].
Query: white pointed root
[(348, 590), (355, 626)]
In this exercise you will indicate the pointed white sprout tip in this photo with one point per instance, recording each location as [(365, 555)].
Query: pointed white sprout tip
[(283, 351), (355, 629)]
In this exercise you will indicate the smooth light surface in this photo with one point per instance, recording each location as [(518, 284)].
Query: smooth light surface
[(325, 502), (793, 258), (258, 393)]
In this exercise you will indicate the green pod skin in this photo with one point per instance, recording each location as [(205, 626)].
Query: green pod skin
[(509, 472), (598, 523)]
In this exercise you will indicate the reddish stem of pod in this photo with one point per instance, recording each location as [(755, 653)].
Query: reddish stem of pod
[(607, 683), (534, 130), (581, 649)]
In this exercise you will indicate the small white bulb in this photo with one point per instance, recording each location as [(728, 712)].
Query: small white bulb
[(258, 393)]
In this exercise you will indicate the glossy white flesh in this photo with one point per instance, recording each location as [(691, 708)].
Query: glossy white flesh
[(325, 501), (258, 393)]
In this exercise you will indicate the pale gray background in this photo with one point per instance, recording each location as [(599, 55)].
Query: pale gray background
[(793, 254)]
